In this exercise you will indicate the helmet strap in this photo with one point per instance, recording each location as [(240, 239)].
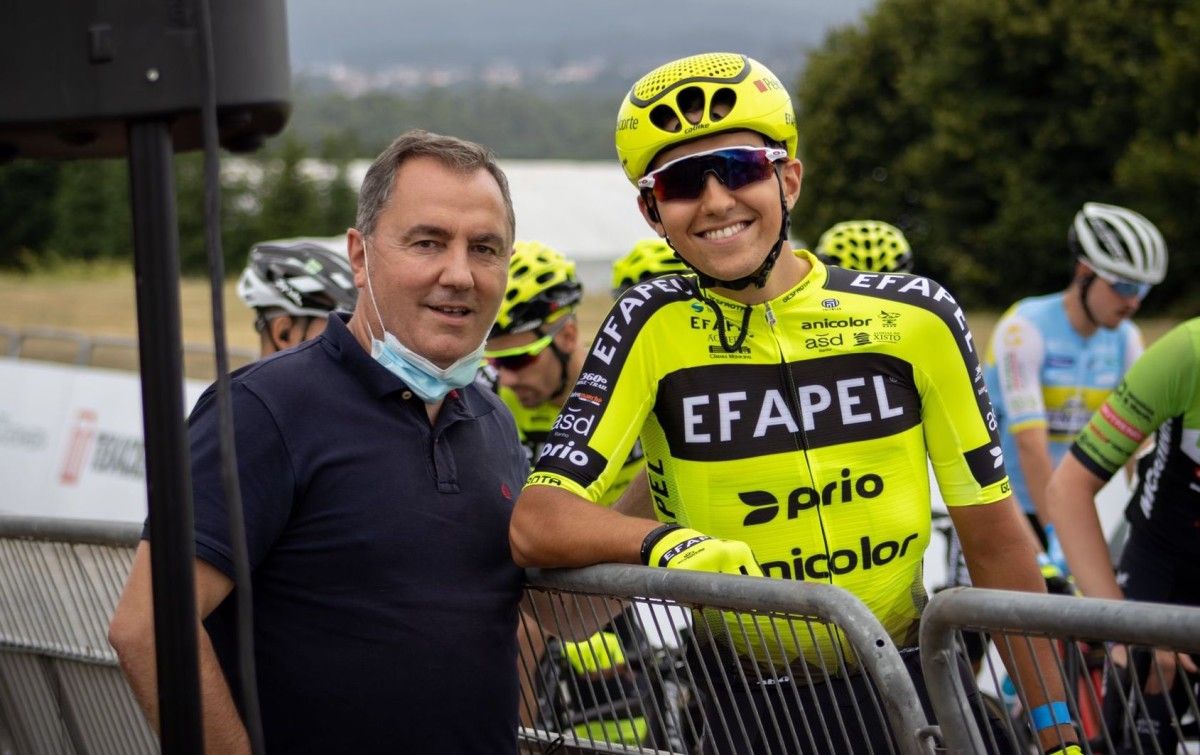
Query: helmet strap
[(1084, 285), (563, 361)]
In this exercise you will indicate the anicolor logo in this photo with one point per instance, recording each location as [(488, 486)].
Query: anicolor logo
[(845, 322), (844, 490), (868, 555)]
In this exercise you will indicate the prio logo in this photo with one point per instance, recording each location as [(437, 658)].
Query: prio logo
[(830, 303), (841, 561), (845, 490), (827, 324), (574, 423), (564, 451)]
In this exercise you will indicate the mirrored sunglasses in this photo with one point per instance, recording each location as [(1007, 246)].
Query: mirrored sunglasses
[(1123, 287), (734, 167), (520, 357)]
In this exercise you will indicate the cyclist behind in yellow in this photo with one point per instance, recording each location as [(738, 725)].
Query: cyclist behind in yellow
[(533, 352), (1159, 395), (869, 246), (786, 408), (649, 258)]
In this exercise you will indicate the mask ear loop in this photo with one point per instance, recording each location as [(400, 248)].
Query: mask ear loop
[(371, 293)]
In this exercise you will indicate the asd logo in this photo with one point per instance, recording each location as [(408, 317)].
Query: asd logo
[(766, 505), (573, 423), (824, 342)]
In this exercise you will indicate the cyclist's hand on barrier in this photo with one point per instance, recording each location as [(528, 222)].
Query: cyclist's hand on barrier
[(682, 548), (1054, 551), (1166, 660), (1057, 583), (596, 655)]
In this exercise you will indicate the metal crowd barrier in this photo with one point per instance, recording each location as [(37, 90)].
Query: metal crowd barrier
[(648, 683), (61, 690), (1108, 704), (83, 350)]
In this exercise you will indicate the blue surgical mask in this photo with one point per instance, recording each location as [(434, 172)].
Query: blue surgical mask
[(430, 382)]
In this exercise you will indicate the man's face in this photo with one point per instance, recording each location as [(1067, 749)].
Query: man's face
[(724, 233), (1108, 307), (537, 381), (438, 260)]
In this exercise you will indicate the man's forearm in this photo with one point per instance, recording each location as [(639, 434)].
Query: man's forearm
[(223, 728), (1033, 455)]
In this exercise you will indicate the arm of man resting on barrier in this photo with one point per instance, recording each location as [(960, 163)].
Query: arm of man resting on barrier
[(1001, 554), (131, 633), (551, 527)]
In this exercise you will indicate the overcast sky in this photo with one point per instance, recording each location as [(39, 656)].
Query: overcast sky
[(375, 34)]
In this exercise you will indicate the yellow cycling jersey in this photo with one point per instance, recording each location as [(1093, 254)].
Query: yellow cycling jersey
[(809, 441), (534, 426)]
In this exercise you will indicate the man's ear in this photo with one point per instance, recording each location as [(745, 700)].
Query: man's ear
[(651, 215), (357, 250), (567, 339), (793, 177), (281, 331)]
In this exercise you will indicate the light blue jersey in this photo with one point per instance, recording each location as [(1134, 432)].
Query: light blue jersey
[(1041, 372)]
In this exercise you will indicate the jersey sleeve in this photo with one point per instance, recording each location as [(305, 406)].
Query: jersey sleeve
[(1019, 350), (956, 412), (616, 389), (265, 474), (1158, 386)]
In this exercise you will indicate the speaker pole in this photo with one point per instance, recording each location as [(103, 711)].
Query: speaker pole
[(168, 480)]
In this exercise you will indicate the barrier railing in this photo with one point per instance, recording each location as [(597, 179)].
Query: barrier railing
[(762, 666), (1111, 708), (117, 352)]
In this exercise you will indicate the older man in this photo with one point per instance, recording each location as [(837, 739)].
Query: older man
[(378, 483)]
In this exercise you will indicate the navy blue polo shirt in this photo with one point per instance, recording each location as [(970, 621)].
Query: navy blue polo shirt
[(385, 596)]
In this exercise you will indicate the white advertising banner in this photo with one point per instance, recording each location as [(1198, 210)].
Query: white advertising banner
[(71, 441)]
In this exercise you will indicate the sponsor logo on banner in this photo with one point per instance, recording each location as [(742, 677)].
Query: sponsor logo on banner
[(16, 435), (79, 444), (101, 452)]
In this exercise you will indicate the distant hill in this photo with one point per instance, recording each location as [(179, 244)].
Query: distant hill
[(625, 37)]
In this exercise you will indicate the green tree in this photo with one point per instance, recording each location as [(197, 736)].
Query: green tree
[(27, 191), (92, 212), (290, 199), (981, 126)]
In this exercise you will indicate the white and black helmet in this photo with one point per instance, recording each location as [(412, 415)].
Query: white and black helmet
[(1118, 242), (302, 278)]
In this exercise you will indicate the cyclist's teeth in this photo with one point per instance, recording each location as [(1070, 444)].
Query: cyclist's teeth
[(726, 232)]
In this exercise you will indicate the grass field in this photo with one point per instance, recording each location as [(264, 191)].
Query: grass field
[(98, 300)]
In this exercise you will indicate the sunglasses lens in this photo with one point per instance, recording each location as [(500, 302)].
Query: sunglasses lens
[(514, 362), (1126, 289), (734, 168)]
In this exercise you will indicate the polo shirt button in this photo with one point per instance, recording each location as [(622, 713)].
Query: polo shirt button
[(406, 395)]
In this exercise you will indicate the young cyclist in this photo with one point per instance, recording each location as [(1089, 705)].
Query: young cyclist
[(533, 350), (1053, 359), (869, 246), (1160, 395), (292, 288), (786, 408), (649, 258)]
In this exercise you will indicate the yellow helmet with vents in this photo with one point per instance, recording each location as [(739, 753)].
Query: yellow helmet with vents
[(647, 259), (699, 96), (869, 246), (542, 288)]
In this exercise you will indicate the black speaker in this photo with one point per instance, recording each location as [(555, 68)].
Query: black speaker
[(76, 72)]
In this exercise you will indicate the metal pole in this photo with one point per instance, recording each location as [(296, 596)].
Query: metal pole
[(168, 482)]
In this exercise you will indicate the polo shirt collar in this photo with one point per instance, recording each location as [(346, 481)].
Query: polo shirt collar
[(342, 346)]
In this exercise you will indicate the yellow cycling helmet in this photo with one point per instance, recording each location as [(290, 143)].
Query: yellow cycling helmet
[(869, 246), (542, 288), (699, 96), (648, 258)]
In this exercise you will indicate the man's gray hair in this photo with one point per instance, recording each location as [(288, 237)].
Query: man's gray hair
[(452, 152)]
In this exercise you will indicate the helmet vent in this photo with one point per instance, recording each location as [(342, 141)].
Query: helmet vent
[(665, 118), (722, 104), (690, 102)]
